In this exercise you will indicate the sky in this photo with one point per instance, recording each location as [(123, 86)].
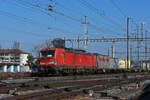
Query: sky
[(30, 23)]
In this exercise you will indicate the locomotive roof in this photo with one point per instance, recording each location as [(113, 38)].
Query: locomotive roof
[(71, 49), (47, 49), (81, 51)]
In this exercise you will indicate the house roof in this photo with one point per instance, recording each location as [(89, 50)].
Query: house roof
[(13, 51)]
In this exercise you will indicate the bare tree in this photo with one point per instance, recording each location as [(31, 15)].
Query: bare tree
[(46, 44), (16, 45), (36, 49)]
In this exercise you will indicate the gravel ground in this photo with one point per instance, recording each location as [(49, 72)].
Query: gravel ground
[(124, 92), (4, 95)]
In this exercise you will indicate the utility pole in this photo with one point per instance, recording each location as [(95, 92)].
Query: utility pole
[(78, 42), (64, 38), (127, 42), (141, 31), (85, 31), (142, 23), (108, 51), (71, 43), (138, 44), (113, 49), (146, 34), (65, 41), (148, 53), (131, 52)]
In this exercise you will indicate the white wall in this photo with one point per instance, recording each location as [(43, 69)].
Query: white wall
[(23, 59)]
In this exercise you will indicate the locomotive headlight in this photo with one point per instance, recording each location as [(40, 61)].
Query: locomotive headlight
[(54, 62), (51, 62)]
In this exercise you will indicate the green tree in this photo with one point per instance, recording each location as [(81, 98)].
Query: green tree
[(32, 62)]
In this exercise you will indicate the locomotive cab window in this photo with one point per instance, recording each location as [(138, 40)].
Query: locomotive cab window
[(47, 53)]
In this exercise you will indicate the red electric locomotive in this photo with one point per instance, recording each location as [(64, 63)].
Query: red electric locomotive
[(65, 60)]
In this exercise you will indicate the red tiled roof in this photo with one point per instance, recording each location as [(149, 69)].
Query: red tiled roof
[(13, 51)]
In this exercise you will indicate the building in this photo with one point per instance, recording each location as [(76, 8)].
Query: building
[(13, 57)]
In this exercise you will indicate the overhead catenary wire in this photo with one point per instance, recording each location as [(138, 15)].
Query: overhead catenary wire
[(118, 8), (64, 15), (33, 6), (59, 13), (19, 18), (77, 20), (57, 4), (100, 13), (28, 4), (31, 21), (25, 3), (22, 31), (102, 30), (95, 27), (22, 5), (108, 26), (110, 29), (89, 24), (12, 41)]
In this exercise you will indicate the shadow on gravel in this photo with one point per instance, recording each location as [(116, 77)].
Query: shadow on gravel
[(146, 94)]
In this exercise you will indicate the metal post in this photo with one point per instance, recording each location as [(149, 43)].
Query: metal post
[(65, 41), (127, 42), (138, 43), (85, 31), (141, 31), (146, 34), (148, 53), (108, 51), (131, 52), (113, 50), (78, 42), (71, 43)]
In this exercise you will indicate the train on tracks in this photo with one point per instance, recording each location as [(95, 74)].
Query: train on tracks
[(61, 60)]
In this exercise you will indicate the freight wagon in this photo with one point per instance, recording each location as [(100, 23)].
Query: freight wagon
[(139, 66), (122, 64), (106, 64)]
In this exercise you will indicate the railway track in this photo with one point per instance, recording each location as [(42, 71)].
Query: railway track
[(8, 75), (34, 81), (76, 88), (43, 90)]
